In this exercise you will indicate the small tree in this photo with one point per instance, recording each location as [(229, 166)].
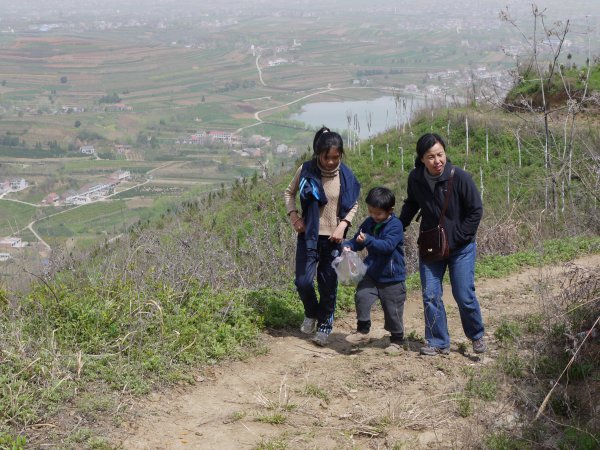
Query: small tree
[(547, 116)]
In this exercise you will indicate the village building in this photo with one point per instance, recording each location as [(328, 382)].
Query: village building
[(51, 199), (5, 257), (90, 193), (122, 148), (14, 185), (72, 109), (18, 184), (12, 242), (281, 149), (204, 137), (117, 107), (221, 136), (87, 149), (277, 62)]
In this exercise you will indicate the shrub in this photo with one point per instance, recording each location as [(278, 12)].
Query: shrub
[(508, 331)]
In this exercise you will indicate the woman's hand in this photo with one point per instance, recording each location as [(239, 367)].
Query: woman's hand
[(297, 223), (338, 234)]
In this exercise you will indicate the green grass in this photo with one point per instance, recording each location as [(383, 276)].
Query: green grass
[(547, 252), (126, 343), (575, 438), (315, 391), (14, 216), (510, 363), (93, 165), (272, 419), (10, 442)]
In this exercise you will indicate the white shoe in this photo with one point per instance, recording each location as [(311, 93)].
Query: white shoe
[(320, 338), (309, 326)]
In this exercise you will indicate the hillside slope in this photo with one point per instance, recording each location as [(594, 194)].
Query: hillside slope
[(301, 396)]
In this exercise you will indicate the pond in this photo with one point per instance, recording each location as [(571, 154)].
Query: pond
[(383, 113)]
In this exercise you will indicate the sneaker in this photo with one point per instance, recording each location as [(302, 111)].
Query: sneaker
[(358, 338), (428, 350), (479, 346), (320, 338), (309, 326), (393, 349)]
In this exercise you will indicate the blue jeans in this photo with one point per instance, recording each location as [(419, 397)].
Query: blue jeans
[(317, 262), (461, 267)]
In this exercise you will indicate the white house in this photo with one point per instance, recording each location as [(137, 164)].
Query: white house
[(277, 62), (12, 242), (281, 148), (18, 184), (87, 149)]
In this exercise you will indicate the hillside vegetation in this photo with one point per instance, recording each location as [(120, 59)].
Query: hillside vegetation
[(200, 284), (569, 81)]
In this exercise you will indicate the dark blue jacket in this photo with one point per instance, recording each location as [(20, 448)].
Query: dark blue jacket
[(312, 197), (464, 207), (385, 261)]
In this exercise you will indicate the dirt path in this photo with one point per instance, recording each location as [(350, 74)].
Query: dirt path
[(300, 396)]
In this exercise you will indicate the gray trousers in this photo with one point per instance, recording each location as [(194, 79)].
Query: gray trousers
[(392, 297)]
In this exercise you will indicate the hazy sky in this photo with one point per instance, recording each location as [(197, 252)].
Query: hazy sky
[(26, 15), (562, 8)]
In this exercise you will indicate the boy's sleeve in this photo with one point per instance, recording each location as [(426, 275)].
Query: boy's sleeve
[(352, 242), (394, 235)]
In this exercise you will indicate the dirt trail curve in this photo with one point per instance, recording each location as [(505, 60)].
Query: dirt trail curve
[(338, 397)]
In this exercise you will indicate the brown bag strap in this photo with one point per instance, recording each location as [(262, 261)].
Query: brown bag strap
[(448, 193)]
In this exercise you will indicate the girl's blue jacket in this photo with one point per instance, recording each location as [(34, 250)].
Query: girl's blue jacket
[(385, 261)]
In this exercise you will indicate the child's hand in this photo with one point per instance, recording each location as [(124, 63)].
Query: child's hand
[(361, 237)]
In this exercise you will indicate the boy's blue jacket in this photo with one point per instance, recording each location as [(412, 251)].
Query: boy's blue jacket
[(385, 262)]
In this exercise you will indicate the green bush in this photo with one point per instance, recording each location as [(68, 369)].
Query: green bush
[(578, 439), (508, 331), (279, 308)]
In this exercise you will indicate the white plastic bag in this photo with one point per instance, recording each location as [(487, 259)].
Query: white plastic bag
[(349, 267)]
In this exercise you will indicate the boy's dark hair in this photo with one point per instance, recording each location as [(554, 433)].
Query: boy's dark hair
[(325, 139), (424, 143), (382, 198)]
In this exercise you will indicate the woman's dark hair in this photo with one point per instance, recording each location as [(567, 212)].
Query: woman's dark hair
[(381, 197), (424, 143), (324, 140)]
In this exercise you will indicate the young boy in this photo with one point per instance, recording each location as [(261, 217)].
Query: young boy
[(382, 234)]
